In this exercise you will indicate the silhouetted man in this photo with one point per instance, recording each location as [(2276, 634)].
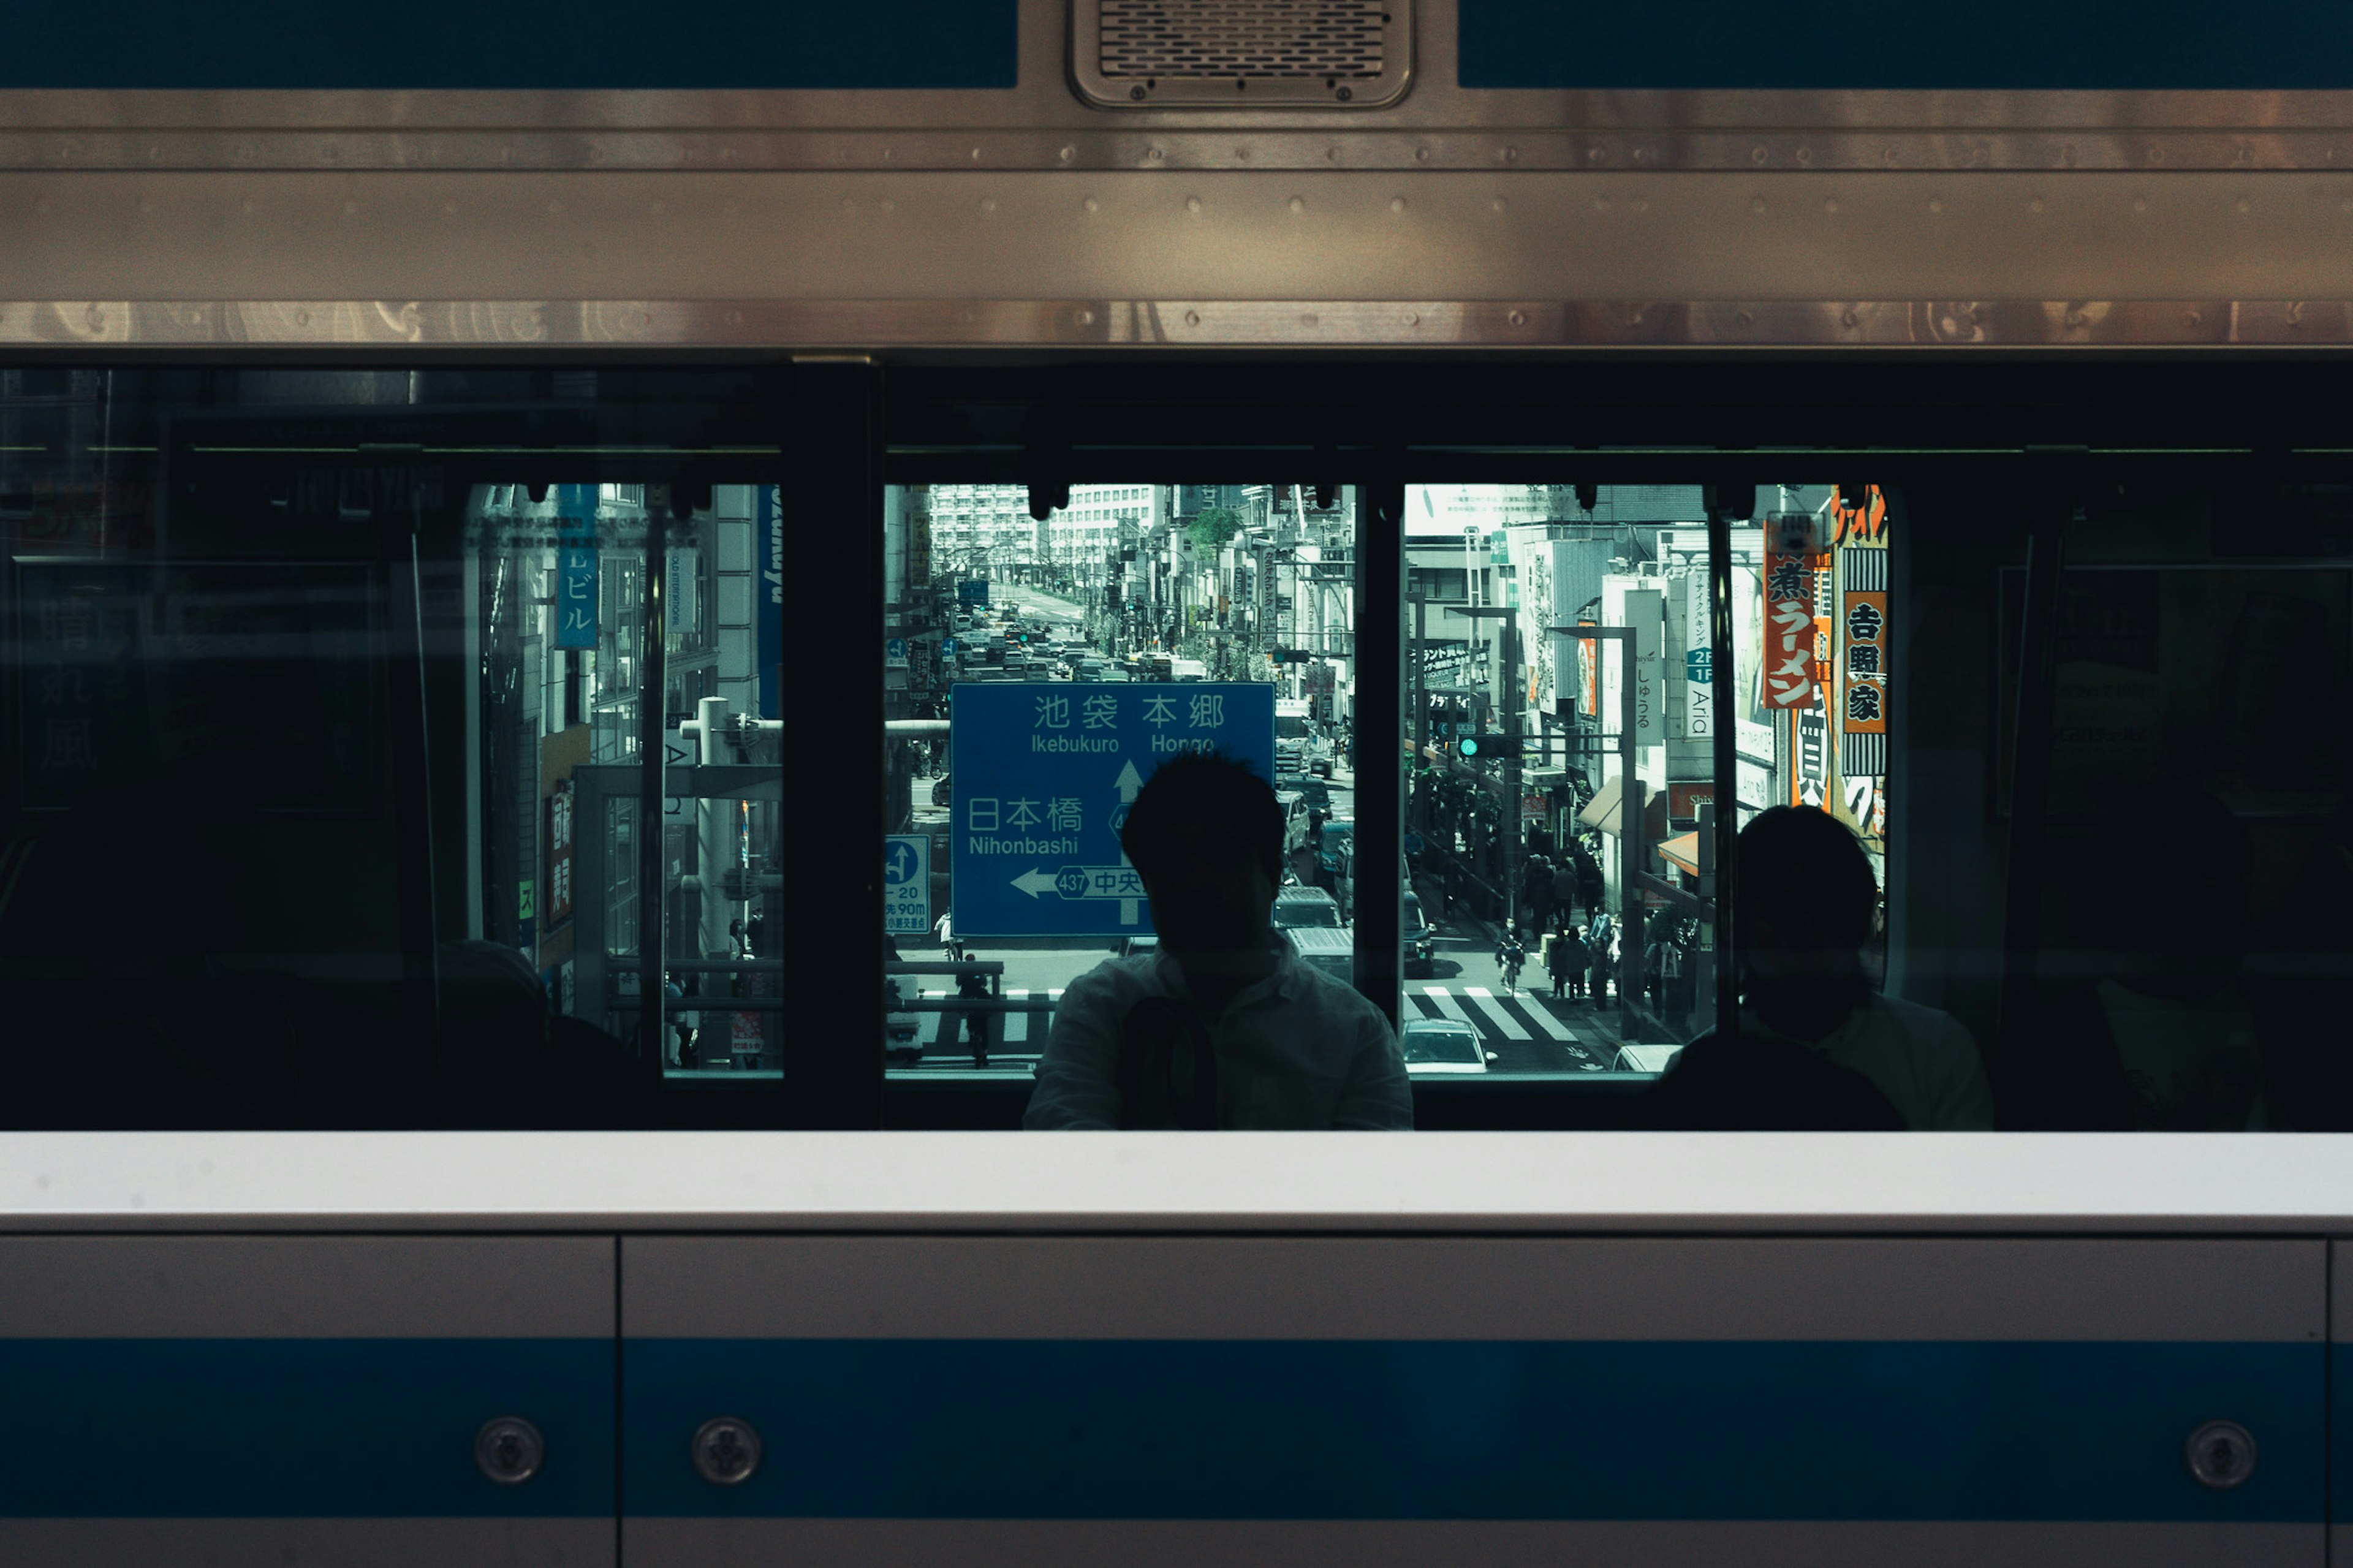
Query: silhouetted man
[(1817, 1047), (1223, 1026)]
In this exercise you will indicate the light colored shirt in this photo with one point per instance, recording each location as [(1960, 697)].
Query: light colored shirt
[(1298, 1050), (1923, 1061)]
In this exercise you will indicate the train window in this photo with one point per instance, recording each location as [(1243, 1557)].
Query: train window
[(1039, 671), (362, 726)]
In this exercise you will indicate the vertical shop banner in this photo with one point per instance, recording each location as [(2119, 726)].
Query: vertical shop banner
[(1790, 649), (575, 580), (1812, 778), (1863, 663), (768, 536), (1699, 660), (559, 854)]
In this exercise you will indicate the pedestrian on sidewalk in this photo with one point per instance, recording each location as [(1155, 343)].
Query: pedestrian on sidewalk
[(1567, 962)]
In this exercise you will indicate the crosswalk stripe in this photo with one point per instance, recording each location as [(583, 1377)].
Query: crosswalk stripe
[(1485, 1000), (1545, 1020), (1447, 1007)]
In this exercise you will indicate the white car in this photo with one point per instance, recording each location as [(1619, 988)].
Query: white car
[(1435, 1046)]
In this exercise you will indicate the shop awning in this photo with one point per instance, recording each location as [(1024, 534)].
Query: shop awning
[(1600, 813), (1682, 852)]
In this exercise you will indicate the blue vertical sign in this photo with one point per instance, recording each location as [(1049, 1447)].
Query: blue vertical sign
[(769, 539), (576, 566), (1045, 771)]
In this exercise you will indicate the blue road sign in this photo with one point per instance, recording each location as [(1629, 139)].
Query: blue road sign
[(973, 591), (1044, 773), (575, 576), (894, 648), (947, 647), (907, 884)]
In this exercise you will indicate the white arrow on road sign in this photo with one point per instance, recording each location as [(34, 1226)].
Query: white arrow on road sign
[(1077, 882), (1128, 782)]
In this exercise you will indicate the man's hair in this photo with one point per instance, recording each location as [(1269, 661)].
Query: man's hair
[(1195, 786), (1809, 862)]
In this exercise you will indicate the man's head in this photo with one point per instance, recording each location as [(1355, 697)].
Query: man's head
[(1805, 896), (1206, 836)]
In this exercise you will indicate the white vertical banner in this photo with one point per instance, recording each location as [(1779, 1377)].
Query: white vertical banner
[(1646, 613), (1699, 659)]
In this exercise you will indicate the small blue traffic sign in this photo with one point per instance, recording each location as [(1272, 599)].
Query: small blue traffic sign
[(947, 647), (906, 884), (1045, 771), (895, 648)]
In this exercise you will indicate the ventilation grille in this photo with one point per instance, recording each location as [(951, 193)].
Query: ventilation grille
[(1264, 39)]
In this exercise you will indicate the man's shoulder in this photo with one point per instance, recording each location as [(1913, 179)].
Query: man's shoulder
[(1114, 979), (1927, 1028), (1330, 995)]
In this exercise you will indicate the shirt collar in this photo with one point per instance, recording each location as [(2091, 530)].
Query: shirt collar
[(1290, 976)]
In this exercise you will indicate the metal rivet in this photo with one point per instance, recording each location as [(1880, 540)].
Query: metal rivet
[(2222, 1455), (988, 204), (1397, 203), (2157, 154), (2245, 206), (1086, 318), (1421, 154), (975, 154), (1499, 204), (1332, 155), (1757, 204), (509, 1451), (1068, 153), (2191, 318), (1192, 204), (1887, 156), (1298, 203), (1830, 204), (1936, 206), (1517, 318), (1091, 204), (2140, 203), (1593, 155), (1192, 317), (725, 1451), (1511, 155), (2035, 205), (1745, 319), (302, 318), (1241, 154), (1850, 318), (1413, 317), (1641, 154), (1153, 154), (1805, 154)]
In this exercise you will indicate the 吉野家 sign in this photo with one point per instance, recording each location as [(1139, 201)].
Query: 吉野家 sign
[(907, 884), (1045, 771)]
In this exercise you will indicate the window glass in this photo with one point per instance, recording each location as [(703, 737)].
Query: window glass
[(1038, 673), (1534, 923), (325, 698)]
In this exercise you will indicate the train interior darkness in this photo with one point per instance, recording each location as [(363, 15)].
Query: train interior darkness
[(339, 702)]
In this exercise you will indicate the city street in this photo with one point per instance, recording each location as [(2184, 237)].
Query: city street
[(1529, 1031)]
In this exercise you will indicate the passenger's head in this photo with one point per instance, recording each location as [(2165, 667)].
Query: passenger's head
[(1206, 837), (1805, 897)]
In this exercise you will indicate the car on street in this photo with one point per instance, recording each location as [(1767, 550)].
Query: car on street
[(1306, 908), (1417, 937), (902, 1029), (1332, 950), (943, 791), (1142, 943), (1439, 1045)]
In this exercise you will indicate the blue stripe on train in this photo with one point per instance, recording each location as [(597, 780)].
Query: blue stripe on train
[(2009, 46), (515, 45), (1141, 1429), (297, 1429)]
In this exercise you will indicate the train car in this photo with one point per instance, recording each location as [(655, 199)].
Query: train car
[(1837, 530)]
